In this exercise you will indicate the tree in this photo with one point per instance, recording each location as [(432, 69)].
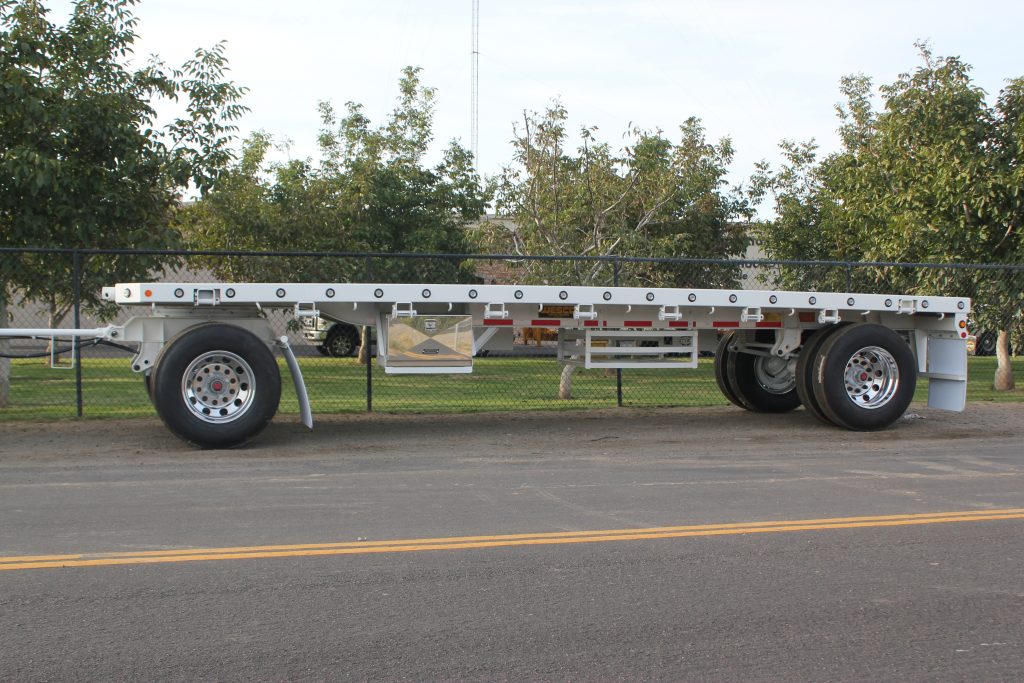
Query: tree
[(369, 191), (809, 220), (928, 178), (1009, 291), (653, 198), (83, 162)]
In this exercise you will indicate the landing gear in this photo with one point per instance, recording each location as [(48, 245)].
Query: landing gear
[(216, 385)]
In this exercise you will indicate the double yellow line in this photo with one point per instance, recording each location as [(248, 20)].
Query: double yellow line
[(506, 540)]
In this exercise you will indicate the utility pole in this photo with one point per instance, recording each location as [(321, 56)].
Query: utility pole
[(474, 88)]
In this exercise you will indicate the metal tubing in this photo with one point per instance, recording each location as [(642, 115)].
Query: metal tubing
[(108, 332), (305, 411)]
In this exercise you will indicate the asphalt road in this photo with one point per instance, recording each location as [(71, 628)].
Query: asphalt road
[(609, 545)]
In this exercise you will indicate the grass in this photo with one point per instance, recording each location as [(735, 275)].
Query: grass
[(110, 389)]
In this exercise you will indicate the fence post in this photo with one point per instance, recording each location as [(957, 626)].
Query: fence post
[(849, 277), (368, 337), (76, 344), (5, 363), (618, 371)]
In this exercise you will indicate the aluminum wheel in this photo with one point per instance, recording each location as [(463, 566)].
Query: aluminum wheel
[(863, 376), (218, 387), (872, 377), (774, 375)]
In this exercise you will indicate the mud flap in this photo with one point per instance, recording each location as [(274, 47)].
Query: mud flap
[(946, 370)]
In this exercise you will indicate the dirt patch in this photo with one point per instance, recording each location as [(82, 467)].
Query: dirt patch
[(506, 435)]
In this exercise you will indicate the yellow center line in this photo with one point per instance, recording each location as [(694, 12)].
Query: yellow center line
[(505, 540), (503, 537), (41, 558)]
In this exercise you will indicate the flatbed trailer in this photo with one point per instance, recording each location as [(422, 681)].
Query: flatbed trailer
[(852, 360)]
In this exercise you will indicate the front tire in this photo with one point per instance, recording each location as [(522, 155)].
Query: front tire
[(216, 385)]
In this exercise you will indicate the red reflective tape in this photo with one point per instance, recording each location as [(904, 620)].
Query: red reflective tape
[(679, 323), (498, 322), (545, 322), (808, 317), (770, 323), (589, 323), (726, 323), (637, 323)]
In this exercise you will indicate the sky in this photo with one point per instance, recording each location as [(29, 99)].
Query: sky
[(757, 72)]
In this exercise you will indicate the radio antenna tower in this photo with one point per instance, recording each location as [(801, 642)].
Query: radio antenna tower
[(474, 89)]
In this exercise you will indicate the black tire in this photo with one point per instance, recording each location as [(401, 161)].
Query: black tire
[(342, 341), (323, 350), (763, 384), (986, 343), (721, 360), (216, 385), (804, 370), (864, 377)]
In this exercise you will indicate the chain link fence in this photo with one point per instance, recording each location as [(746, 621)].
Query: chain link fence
[(40, 380)]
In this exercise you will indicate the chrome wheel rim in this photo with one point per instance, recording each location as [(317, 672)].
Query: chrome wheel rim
[(218, 387), (774, 375), (872, 377)]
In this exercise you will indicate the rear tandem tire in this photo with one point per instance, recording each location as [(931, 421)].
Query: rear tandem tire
[(216, 385), (763, 384), (722, 354), (804, 370), (864, 376)]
